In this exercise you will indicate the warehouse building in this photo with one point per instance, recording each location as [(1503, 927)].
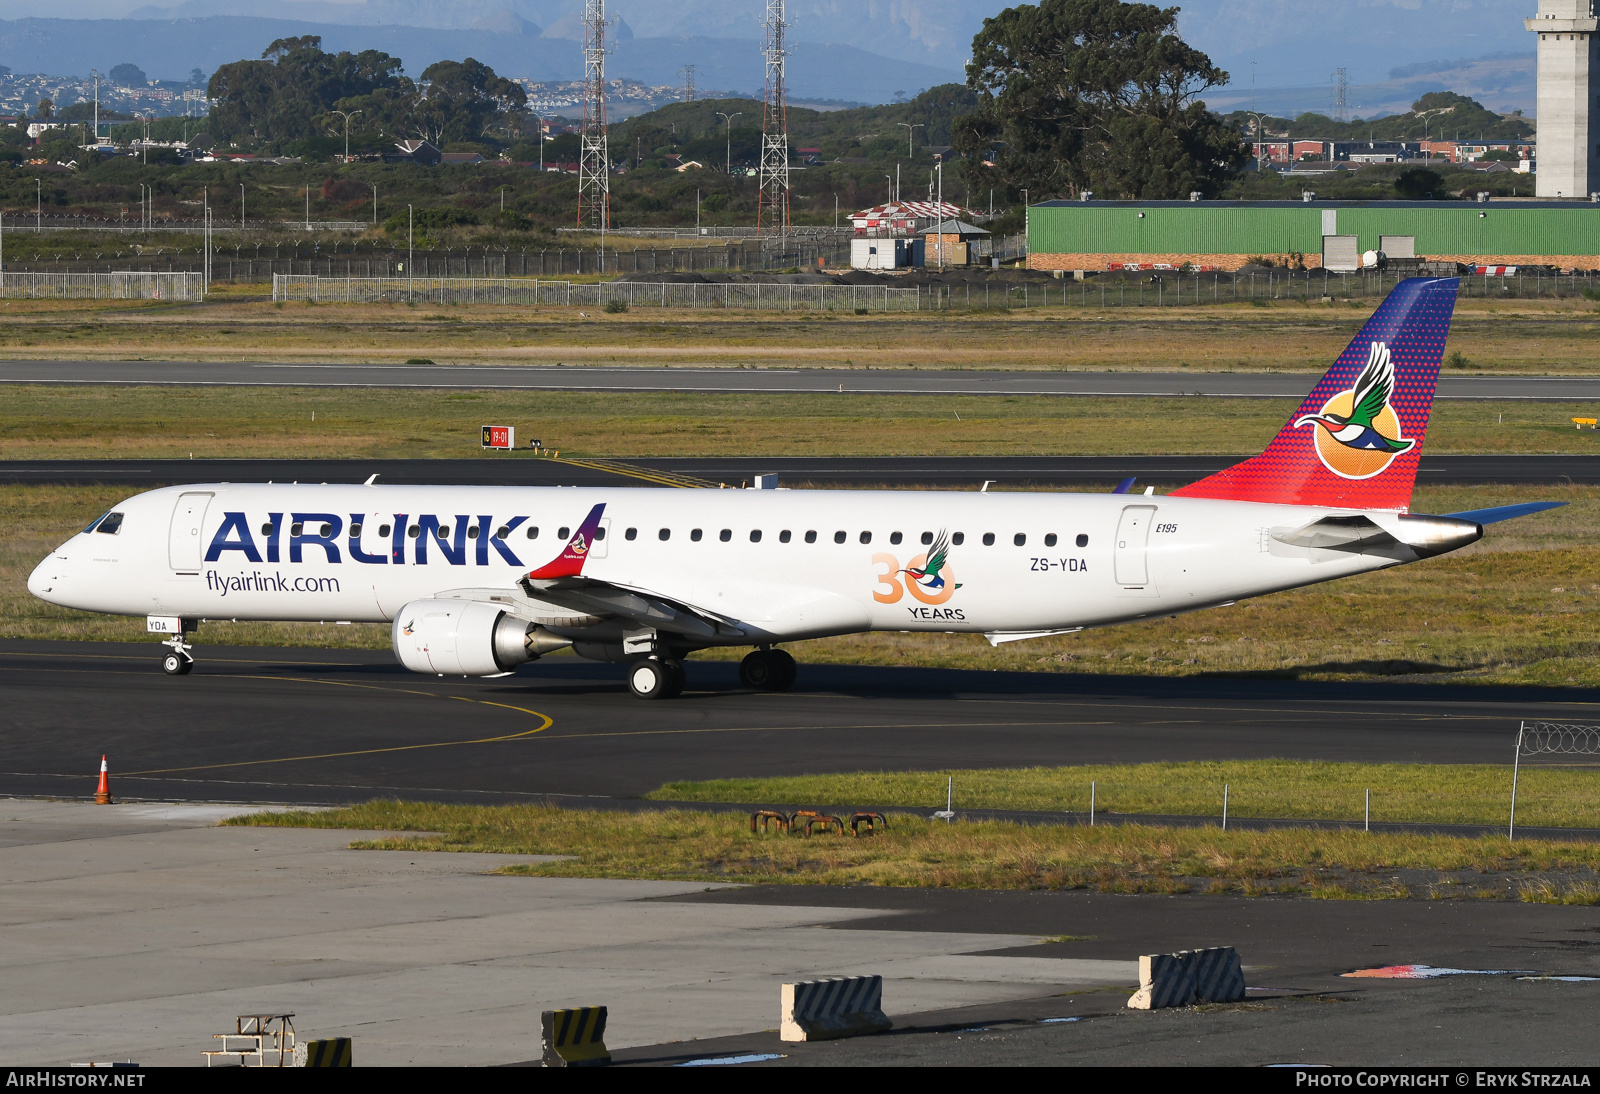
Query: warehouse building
[(1333, 235)]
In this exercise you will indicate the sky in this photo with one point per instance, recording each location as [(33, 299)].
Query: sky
[(1282, 43)]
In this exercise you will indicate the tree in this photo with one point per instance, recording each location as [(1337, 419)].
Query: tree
[(1094, 95), (464, 99), (127, 75), (1418, 183), (197, 78), (44, 110), (289, 94)]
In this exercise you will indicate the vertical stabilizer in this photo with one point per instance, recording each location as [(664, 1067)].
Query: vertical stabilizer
[(1355, 441)]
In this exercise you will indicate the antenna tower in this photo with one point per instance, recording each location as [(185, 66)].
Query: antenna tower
[(594, 182), (687, 72), (1341, 95), (772, 203)]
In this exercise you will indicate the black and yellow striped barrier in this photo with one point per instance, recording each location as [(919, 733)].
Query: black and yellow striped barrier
[(327, 1052), (575, 1037)]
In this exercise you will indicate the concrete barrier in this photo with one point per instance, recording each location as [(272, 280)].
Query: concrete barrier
[(841, 1006), (1218, 976), (575, 1037), (327, 1052), (1189, 976), (1165, 980)]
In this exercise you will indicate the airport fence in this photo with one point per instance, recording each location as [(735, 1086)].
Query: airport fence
[(121, 285), (532, 292)]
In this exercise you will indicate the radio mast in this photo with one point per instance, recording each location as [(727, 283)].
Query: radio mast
[(594, 182), (772, 203)]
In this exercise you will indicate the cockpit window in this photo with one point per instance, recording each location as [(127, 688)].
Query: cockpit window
[(110, 524), (90, 526)]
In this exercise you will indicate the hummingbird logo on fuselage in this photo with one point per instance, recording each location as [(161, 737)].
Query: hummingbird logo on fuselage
[(1357, 432)]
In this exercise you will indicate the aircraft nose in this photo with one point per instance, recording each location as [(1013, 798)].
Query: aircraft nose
[(44, 578)]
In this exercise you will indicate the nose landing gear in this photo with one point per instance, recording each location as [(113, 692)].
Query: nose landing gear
[(656, 677), (179, 662)]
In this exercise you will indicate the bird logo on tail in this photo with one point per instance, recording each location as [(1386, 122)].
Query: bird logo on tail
[(1360, 433)]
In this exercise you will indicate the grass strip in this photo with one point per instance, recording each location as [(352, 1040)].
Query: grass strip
[(915, 852), (103, 422), (1556, 797)]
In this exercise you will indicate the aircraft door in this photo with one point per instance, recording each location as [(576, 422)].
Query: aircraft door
[(184, 547), (1133, 541)]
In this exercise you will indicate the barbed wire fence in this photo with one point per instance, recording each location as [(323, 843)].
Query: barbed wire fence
[(1548, 739)]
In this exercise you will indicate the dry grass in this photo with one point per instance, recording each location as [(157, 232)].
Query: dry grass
[(1518, 608), (1408, 793), (47, 422), (1496, 336), (915, 852)]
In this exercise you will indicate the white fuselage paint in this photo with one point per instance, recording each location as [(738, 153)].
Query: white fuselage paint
[(1175, 555)]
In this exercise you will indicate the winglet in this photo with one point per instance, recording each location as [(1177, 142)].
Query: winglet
[(1356, 440), (1126, 485), (569, 563)]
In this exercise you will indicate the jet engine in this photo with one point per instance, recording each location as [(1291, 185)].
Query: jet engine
[(467, 638)]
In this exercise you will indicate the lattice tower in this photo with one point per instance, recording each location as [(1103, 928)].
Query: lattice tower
[(594, 181), (687, 72), (1341, 95), (772, 203)]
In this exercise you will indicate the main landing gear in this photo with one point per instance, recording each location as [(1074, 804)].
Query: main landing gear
[(767, 670), (656, 677), (179, 662)]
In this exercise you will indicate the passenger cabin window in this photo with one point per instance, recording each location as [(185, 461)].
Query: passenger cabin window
[(355, 530), (783, 536), (1050, 539), (631, 533), (414, 531), (988, 539), (266, 529), (1019, 539), (296, 528), (755, 535), (472, 531), (927, 539), (443, 531), (894, 537), (533, 531), (866, 537), (502, 532), (959, 538), (563, 532), (384, 530), (725, 535), (811, 537), (695, 534), (600, 533), (664, 535), (111, 525), (839, 537), (1082, 540)]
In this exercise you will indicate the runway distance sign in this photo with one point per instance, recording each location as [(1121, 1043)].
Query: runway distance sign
[(499, 436)]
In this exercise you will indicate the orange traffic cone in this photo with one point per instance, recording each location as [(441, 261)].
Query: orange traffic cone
[(102, 794)]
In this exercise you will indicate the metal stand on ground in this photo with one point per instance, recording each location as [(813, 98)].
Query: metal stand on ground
[(1091, 804), (948, 813), (1224, 807), (1366, 825)]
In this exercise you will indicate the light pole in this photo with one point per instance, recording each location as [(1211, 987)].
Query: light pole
[(38, 207), (410, 265), (3, 262), (891, 188), (308, 207), (540, 119), (910, 129), (347, 118), (1259, 134), (241, 208), (939, 167), (728, 119), (374, 205), (503, 190), (96, 72)]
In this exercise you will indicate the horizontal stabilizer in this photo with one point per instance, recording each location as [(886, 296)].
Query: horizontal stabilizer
[(1505, 512)]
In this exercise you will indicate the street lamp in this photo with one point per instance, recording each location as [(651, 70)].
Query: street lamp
[(540, 119), (728, 118), (503, 190), (374, 205), (347, 118), (38, 206), (410, 264), (909, 128), (241, 209), (1259, 135)]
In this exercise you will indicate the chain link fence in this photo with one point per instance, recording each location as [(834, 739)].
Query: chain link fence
[(515, 291), (102, 286)]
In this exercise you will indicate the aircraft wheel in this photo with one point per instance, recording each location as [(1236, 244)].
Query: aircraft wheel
[(649, 679), (767, 670), (173, 665), (678, 678)]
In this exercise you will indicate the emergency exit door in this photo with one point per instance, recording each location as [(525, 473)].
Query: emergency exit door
[(1132, 548), (184, 546)]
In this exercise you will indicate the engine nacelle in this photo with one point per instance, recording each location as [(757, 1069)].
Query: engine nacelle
[(467, 638)]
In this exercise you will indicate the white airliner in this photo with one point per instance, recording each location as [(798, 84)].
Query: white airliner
[(478, 580)]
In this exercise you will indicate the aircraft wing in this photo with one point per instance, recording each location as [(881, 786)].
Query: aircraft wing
[(609, 599)]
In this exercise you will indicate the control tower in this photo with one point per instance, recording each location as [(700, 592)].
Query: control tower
[(1569, 110)]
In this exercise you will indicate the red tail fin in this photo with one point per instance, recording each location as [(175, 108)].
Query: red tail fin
[(1355, 442)]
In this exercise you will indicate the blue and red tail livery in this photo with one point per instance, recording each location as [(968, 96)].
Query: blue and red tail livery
[(1356, 440), (569, 563)]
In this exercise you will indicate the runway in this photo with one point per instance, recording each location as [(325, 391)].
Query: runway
[(964, 472), (326, 727), (727, 380)]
